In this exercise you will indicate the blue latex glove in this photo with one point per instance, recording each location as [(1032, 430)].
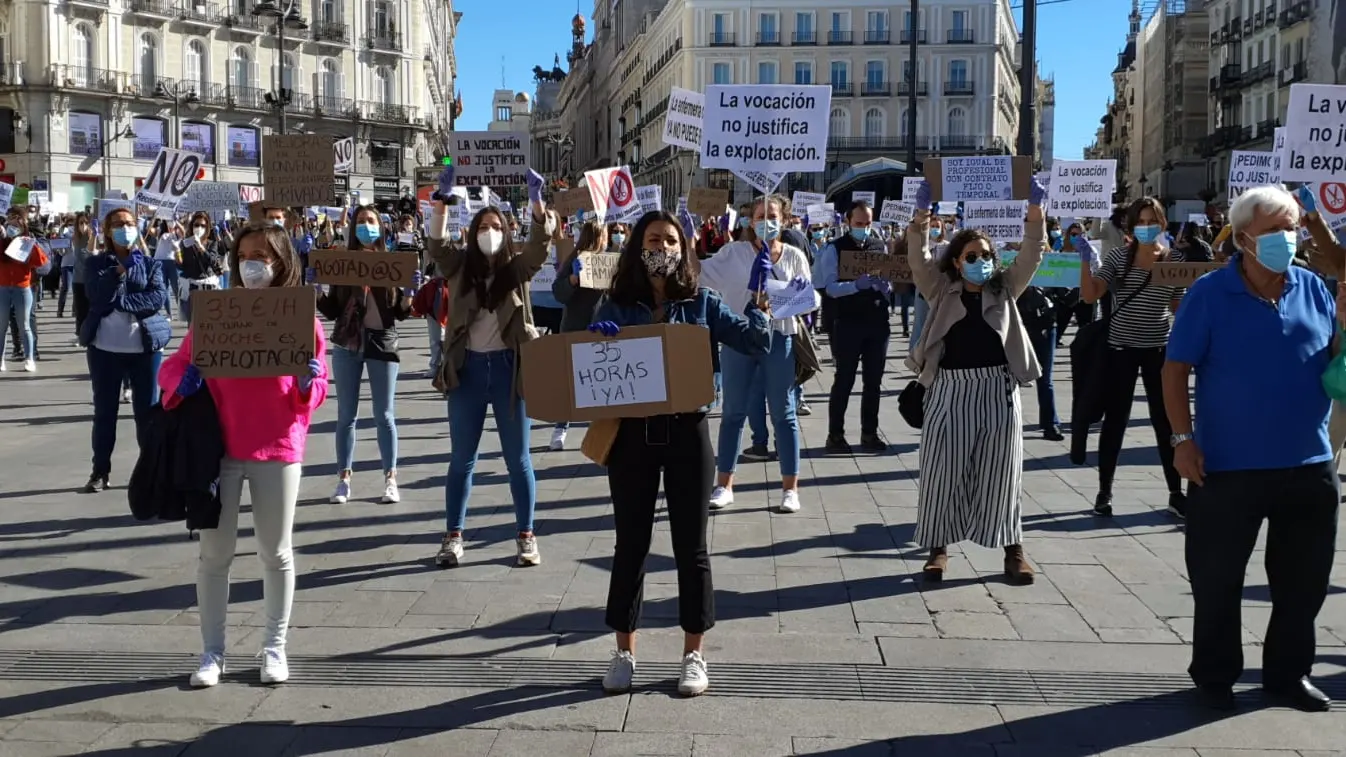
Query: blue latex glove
[(1307, 199), (190, 383), (535, 184), (445, 184), (306, 382), (799, 283), (310, 275), (137, 258), (576, 266), (606, 328), (417, 279), (924, 196), (761, 269), (866, 282), (1037, 192), (1083, 247), (688, 225), (724, 223)]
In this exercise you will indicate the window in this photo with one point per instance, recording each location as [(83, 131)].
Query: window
[(958, 73), (384, 88), (290, 72), (907, 21), (840, 74), (766, 73), (876, 21), (873, 123), (903, 126), (82, 58), (719, 24), (907, 77), (959, 23), (331, 80), (330, 12), (838, 124), (240, 69), (148, 62), (838, 22), (383, 19), (722, 73), (804, 25), (874, 73), (957, 122), (1285, 55), (768, 27), (803, 72), (1270, 108), (194, 69)]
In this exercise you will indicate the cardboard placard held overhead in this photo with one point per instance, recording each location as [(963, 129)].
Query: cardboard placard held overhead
[(644, 371), (571, 201), (598, 269), (363, 268), (1180, 274), (1021, 176), (252, 333), (297, 170), (706, 202), (853, 264)]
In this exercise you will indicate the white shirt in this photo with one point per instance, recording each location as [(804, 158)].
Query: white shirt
[(483, 335), (119, 332), (728, 271), (167, 248)]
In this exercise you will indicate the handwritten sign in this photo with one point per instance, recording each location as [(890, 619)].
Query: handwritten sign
[(618, 372), (896, 212), (771, 128), (490, 158), (211, 196), (598, 269), (788, 302), (650, 198), (1180, 274), (250, 333), (1057, 269), (977, 178), (852, 264), (1001, 221), (363, 268), (682, 124), (1082, 188), (297, 169), (707, 202)]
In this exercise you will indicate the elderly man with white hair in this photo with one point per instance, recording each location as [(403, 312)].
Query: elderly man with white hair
[(1259, 334)]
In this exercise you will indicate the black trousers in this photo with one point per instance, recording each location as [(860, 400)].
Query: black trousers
[(1223, 519), (1118, 397), (862, 347), (81, 306), (678, 447)]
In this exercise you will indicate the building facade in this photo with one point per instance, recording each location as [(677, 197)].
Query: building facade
[(91, 89), (1175, 56)]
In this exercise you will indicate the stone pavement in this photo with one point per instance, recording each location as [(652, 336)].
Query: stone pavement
[(825, 645)]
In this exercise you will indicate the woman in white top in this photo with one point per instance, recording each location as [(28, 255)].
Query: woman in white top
[(729, 271), (168, 251)]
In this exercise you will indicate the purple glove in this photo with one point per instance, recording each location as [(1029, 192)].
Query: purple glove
[(576, 266), (606, 328), (761, 270), (724, 223), (306, 382), (310, 275), (866, 282), (445, 183), (688, 225), (190, 383), (137, 258), (799, 283), (924, 196), (1083, 247), (1306, 199), (1037, 192), (535, 184)]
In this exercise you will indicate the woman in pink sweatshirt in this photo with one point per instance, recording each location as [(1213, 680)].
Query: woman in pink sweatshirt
[(265, 425)]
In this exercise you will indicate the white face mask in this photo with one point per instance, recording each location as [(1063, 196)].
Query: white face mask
[(255, 274), (490, 241), (199, 233)]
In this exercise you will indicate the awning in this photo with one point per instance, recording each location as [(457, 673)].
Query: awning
[(870, 169)]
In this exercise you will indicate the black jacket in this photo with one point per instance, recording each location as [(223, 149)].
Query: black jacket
[(202, 262), (177, 475)]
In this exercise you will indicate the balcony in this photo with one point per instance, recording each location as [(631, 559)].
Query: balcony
[(98, 6), (959, 88), (843, 89), (253, 98), (387, 113), (958, 142), (768, 39), (1235, 29), (200, 15), (904, 89), (876, 89), (878, 36), (1259, 20), (158, 10), (331, 33), (804, 38), (1230, 75), (835, 37), (1258, 73), (721, 39), (1247, 26), (384, 40), (1267, 128), (334, 106), (893, 144), (961, 37), (214, 95), (1294, 13), (919, 34), (244, 23), (1300, 72)]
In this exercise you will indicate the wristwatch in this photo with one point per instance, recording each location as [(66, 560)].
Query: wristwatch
[(1177, 439)]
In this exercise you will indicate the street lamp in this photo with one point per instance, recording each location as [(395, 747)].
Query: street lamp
[(181, 93), (288, 17)]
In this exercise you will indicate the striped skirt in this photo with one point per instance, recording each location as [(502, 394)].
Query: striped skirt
[(971, 459)]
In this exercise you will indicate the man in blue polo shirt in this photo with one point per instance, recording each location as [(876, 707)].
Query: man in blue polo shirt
[(1259, 333)]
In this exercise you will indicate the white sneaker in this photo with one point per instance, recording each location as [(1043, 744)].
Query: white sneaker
[(528, 554), (558, 439), (342, 493), (209, 672), (126, 395), (693, 681), (390, 493), (789, 501), (3, 365), (450, 552), (620, 672), (274, 667), (721, 498), (29, 366)]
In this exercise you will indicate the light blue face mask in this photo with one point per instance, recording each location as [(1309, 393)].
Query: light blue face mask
[(860, 234), (367, 233), (934, 233), (1276, 250), (767, 231), (13, 231), (1148, 234), (978, 271), (125, 236), (618, 239), (743, 222)]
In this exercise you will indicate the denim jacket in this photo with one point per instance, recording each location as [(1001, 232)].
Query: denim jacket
[(141, 293), (749, 334)]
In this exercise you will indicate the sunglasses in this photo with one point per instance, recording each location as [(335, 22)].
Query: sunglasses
[(973, 257)]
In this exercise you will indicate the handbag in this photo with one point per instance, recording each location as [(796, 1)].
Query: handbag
[(806, 353), (599, 438), (911, 404)]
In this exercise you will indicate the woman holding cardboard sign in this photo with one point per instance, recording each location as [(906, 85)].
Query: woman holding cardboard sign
[(656, 282), (364, 338), (489, 320)]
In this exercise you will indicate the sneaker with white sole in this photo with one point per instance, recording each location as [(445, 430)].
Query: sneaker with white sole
[(390, 494), (620, 672), (29, 366), (275, 669), (528, 554), (126, 394), (209, 671), (693, 681), (721, 497), (342, 494), (4, 366), (789, 501), (450, 551), (558, 440)]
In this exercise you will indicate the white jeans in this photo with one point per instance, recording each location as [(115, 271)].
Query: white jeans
[(274, 488)]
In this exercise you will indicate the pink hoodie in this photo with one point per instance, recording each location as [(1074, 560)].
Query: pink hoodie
[(262, 419)]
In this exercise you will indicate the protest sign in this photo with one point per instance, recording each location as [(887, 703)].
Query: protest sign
[(297, 170), (1278, 146), (650, 198), (646, 371), (897, 212), (1330, 197), (490, 159), (946, 208), (1082, 188), (363, 268), (568, 202), (865, 197), (910, 184), (822, 214), (976, 178), (1198, 218), (211, 196), (108, 205), (19, 248), (1315, 133), (765, 183), (683, 119), (766, 127), (1001, 221), (788, 302), (250, 333), (800, 201), (1248, 169), (853, 264), (343, 155), (247, 195), (613, 192), (598, 268), (1179, 274), (39, 199), (20, 196), (1058, 269), (6, 194), (169, 178), (707, 202)]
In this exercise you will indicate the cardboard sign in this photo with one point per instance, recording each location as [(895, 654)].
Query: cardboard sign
[(211, 196), (169, 178), (773, 128), (598, 269), (854, 264), (251, 333), (297, 169), (984, 178), (1179, 274), (571, 201), (682, 124), (490, 159), (343, 155), (707, 202), (363, 268), (644, 371), (1021, 178), (614, 193)]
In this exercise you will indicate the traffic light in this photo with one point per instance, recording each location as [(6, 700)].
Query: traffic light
[(447, 160)]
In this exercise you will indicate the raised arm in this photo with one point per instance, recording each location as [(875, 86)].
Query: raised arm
[(1025, 265), (545, 227)]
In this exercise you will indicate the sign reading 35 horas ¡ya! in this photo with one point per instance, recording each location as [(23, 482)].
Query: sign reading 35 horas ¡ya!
[(773, 128), (490, 159)]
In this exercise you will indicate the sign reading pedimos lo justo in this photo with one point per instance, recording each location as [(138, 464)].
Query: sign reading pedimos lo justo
[(773, 128), (490, 159)]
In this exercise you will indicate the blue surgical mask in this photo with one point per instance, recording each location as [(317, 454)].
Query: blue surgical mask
[(860, 234), (767, 231), (818, 234), (618, 239), (1055, 235), (125, 236), (1275, 250), (1146, 234), (978, 271), (456, 235), (367, 233), (743, 222), (278, 222)]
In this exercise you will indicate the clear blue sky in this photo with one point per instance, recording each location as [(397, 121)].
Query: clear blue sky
[(1077, 44)]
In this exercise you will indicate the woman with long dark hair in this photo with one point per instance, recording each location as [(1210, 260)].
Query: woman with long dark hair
[(577, 302), (203, 261), (364, 338), (656, 282), (83, 244)]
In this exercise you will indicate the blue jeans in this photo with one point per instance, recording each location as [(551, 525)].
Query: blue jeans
[(19, 302), (922, 310), (1044, 346), (67, 278), (347, 370), (487, 378), (224, 279), (776, 372), (757, 409), (107, 372), (170, 268)]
